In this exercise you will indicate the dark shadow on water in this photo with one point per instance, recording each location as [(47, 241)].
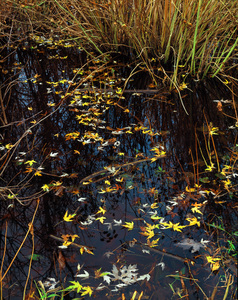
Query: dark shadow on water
[(179, 135)]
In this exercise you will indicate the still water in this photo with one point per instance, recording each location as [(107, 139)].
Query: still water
[(104, 164)]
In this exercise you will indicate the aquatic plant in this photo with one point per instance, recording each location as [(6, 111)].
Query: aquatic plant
[(195, 37)]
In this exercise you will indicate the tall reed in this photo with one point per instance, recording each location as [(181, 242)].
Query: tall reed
[(200, 35)]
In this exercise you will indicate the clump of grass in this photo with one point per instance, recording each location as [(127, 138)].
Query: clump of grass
[(198, 35)]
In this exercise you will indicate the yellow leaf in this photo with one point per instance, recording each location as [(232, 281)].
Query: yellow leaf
[(74, 236), (38, 173), (30, 162), (57, 183), (195, 209), (86, 182), (153, 243), (148, 232), (101, 210), (107, 182), (212, 260), (87, 290), (119, 179), (193, 221), (129, 225), (45, 188), (154, 205), (101, 219), (68, 218), (190, 190), (154, 158), (51, 104), (215, 266), (177, 227), (8, 146), (11, 196), (67, 243)]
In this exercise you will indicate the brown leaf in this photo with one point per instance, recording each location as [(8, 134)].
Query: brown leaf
[(61, 261), (219, 106)]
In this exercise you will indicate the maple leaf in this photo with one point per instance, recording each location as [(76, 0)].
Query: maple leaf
[(148, 231), (45, 188), (38, 173), (210, 168), (11, 196), (129, 225), (154, 205), (83, 276), (101, 210), (177, 227), (153, 243), (101, 219), (214, 131), (193, 221), (76, 286), (197, 204), (85, 249), (8, 146), (215, 266), (30, 162), (87, 291), (212, 260), (51, 283), (195, 209), (28, 170), (72, 135), (73, 237), (190, 243), (117, 223), (68, 218), (190, 190), (53, 154), (57, 183)]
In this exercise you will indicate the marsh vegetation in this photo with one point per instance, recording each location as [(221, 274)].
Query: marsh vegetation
[(118, 165)]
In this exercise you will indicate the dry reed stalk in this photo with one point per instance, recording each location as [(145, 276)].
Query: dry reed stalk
[(197, 34)]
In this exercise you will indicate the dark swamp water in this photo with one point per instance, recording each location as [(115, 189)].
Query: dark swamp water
[(132, 170)]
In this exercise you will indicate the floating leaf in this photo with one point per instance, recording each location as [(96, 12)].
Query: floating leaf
[(204, 180), (68, 218), (129, 225)]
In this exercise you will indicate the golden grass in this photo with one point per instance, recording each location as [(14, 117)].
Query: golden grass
[(200, 35)]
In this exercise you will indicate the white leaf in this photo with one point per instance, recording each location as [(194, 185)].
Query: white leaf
[(190, 243), (52, 154), (63, 247), (108, 254), (162, 265), (204, 242), (109, 226), (100, 287), (117, 223), (146, 251), (146, 276), (81, 199), (107, 279), (84, 276)]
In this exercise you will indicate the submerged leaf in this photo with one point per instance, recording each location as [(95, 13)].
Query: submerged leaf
[(190, 243)]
